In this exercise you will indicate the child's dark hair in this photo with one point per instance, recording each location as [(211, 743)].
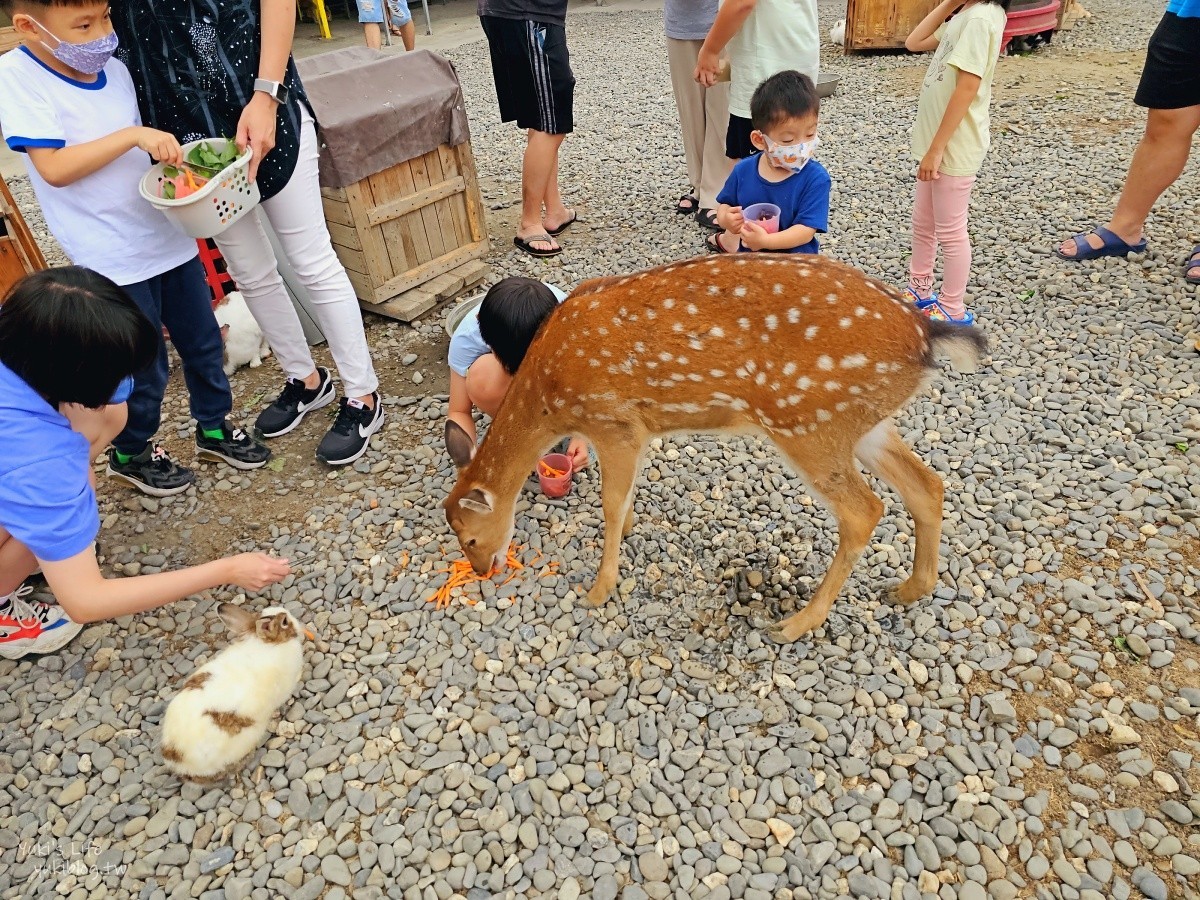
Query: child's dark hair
[(785, 95), (10, 6), (511, 314), (72, 335)]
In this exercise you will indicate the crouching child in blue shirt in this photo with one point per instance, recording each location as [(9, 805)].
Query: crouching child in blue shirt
[(783, 111)]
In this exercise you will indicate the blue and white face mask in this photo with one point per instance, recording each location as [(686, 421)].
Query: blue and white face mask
[(89, 58), (793, 157)]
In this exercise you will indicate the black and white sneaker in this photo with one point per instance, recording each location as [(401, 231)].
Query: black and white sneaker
[(152, 472), (234, 446), (293, 404), (351, 432)]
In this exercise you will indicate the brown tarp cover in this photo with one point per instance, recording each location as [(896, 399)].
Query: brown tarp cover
[(377, 109)]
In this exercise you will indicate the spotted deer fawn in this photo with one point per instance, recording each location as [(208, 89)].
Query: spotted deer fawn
[(805, 350)]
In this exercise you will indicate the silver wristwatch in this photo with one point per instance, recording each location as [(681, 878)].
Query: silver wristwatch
[(273, 89)]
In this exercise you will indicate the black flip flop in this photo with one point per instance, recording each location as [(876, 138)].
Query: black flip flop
[(688, 210), (555, 232), (714, 245), (523, 244)]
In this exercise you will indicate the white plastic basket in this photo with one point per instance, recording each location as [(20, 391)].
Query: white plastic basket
[(221, 202)]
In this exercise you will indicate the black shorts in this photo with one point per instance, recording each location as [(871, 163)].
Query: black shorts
[(1171, 76), (534, 83), (737, 138)]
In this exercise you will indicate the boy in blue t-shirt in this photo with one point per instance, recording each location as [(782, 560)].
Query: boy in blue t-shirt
[(784, 112)]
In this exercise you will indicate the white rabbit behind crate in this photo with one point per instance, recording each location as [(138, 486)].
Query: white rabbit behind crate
[(222, 710), (837, 34), (243, 338)]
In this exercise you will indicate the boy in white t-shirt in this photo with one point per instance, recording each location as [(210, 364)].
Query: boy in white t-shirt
[(71, 109), (490, 343)]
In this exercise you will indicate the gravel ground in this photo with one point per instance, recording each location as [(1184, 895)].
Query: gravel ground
[(1029, 731)]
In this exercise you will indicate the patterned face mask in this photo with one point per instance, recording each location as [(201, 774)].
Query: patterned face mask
[(88, 58), (791, 156)]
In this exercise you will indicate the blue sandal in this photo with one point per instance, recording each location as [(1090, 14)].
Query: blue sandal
[(1192, 262), (1112, 246), (937, 312), (922, 303)]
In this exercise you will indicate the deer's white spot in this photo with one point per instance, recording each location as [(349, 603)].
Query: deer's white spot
[(772, 322), (805, 300), (639, 347), (669, 303), (678, 376), (794, 399), (604, 351), (623, 282), (766, 420), (823, 415), (804, 382), (716, 331), (741, 373), (601, 330), (760, 378), (810, 332), (793, 315), (832, 386), (651, 364), (713, 289), (716, 373), (665, 356), (579, 351), (694, 376), (781, 402), (841, 407), (777, 289), (854, 389), (824, 363), (838, 283), (831, 298), (594, 362), (860, 311), (878, 315), (739, 404), (881, 367), (739, 262), (789, 369), (853, 361), (845, 321), (744, 323), (559, 402), (677, 327), (695, 344), (722, 396), (651, 314), (595, 304), (692, 309), (739, 291)]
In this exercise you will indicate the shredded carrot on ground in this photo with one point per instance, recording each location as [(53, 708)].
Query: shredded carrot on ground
[(461, 574), (549, 471)]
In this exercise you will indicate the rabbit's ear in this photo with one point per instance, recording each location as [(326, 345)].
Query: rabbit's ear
[(239, 621)]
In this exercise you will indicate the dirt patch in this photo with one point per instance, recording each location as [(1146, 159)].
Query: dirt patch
[(1040, 74)]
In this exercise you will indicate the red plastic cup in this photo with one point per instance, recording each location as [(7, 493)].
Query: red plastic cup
[(765, 215), (555, 486)]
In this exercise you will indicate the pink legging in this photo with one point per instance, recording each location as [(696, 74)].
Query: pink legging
[(940, 219)]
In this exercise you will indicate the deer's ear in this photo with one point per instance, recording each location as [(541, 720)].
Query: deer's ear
[(478, 500), (459, 444)]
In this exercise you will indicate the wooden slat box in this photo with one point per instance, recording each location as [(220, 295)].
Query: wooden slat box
[(399, 229), (398, 181)]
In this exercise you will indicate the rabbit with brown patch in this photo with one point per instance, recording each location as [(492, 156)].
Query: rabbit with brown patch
[(222, 710)]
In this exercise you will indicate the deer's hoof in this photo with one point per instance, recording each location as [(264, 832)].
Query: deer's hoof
[(908, 592), (596, 597), (793, 628)]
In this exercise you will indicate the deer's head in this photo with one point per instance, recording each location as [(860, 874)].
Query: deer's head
[(484, 531)]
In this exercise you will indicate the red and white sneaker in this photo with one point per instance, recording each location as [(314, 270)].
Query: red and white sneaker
[(32, 627)]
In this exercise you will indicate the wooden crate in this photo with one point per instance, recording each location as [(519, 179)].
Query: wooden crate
[(401, 230), (883, 24), (8, 39), (19, 252)]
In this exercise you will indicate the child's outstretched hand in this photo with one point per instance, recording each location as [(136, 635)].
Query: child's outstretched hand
[(160, 145), (930, 163), (754, 236)]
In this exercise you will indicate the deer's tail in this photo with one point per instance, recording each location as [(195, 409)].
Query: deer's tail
[(964, 347)]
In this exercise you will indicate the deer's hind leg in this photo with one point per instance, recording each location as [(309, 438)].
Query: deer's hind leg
[(833, 474), (620, 460), (887, 457)]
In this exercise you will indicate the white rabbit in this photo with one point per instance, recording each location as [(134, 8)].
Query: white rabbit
[(221, 712), (244, 341), (837, 33)]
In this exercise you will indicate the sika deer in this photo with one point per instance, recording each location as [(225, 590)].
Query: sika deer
[(809, 352)]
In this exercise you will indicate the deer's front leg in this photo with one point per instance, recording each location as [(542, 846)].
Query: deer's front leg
[(618, 465)]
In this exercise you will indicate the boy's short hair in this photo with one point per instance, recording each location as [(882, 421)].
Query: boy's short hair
[(11, 6), (72, 335), (785, 95), (511, 314)]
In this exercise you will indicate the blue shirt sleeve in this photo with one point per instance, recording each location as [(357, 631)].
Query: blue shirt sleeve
[(812, 205), (49, 506)]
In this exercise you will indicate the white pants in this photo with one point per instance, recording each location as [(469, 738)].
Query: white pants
[(298, 220)]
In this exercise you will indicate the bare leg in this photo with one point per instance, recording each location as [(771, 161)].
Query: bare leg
[(556, 212), (1157, 162), (541, 163), (888, 458), (16, 563), (373, 35), (620, 465), (408, 34), (833, 475)]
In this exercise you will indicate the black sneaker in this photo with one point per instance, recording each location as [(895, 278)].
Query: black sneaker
[(234, 446), (291, 406), (152, 472), (351, 432)]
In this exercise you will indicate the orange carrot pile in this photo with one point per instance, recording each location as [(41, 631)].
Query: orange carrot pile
[(461, 575), (549, 471)]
